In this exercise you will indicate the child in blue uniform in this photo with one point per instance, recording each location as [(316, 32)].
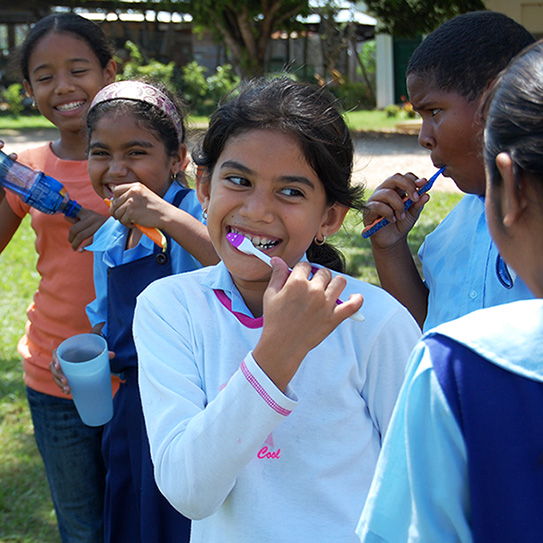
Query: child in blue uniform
[(136, 153), (462, 459), (265, 404), (447, 77)]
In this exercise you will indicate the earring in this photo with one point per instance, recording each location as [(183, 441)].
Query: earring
[(320, 241), (204, 214), (34, 104)]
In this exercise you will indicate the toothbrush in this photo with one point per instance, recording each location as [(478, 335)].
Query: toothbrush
[(245, 246), (381, 222), (153, 233)]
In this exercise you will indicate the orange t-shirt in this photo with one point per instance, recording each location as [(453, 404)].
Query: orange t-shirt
[(66, 276)]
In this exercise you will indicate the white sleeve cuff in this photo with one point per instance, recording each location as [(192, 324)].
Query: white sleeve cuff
[(266, 388)]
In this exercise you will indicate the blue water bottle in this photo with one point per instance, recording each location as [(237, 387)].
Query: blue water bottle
[(38, 190)]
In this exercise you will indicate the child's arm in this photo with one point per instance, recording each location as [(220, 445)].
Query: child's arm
[(9, 223), (136, 204), (395, 266), (298, 314)]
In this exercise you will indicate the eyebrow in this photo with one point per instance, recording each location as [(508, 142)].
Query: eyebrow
[(285, 178)]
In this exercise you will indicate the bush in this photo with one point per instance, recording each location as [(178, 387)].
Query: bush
[(203, 93), (392, 110), (353, 95), (136, 68), (14, 97)]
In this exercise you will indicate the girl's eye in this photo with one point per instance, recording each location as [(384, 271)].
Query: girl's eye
[(292, 192), (98, 153), (80, 71), (435, 111), (238, 180), (136, 152), (43, 78)]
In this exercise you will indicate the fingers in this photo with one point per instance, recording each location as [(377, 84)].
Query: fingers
[(388, 199), (58, 375), (84, 227)]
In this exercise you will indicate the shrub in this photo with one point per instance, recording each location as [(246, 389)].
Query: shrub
[(392, 110), (14, 98)]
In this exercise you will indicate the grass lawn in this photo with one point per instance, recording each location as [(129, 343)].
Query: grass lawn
[(359, 121)]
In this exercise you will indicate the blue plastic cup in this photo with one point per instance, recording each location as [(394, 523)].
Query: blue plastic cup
[(84, 359)]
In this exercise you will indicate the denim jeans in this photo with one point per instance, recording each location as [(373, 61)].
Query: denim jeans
[(71, 452)]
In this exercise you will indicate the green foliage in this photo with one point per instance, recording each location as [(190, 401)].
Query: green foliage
[(245, 26), (137, 68), (409, 19), (392, 110), (203, 93), (352, 95), (14, 97)]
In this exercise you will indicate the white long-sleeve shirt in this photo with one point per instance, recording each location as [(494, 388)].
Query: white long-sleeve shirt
[(229, 447)]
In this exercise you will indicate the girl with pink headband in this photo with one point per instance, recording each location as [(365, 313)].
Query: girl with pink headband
[(137, 158)]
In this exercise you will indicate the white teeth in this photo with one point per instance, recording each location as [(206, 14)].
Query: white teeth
[(259, 241), (71, 106)]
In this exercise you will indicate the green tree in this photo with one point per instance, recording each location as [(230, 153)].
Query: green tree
[(410, 18), (246, 26)]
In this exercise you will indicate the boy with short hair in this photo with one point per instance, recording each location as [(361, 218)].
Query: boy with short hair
[(447, 77)]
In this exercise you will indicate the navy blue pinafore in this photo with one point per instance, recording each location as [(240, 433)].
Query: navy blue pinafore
[(135, 510)]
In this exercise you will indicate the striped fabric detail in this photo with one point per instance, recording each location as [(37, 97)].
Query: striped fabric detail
[(248, 322), (265, 396)]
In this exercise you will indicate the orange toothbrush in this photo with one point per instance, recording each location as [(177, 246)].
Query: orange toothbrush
[(152, 233)]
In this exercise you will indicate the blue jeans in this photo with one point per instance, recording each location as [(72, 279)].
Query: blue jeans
[(71, 452)]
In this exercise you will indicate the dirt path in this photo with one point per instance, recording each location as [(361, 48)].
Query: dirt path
[(377, 155)]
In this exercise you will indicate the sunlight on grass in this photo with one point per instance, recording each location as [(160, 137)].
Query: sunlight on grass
[(26, 511)]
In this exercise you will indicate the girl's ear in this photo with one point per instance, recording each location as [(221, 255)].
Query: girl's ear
[(203, 186), (110, 71), (514, 200), (179, 162), (28, 89), (332, 220)]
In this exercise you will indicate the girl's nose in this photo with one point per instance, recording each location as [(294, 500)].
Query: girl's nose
[(64, 83), (257, 207), (426, 137), (117, 168)]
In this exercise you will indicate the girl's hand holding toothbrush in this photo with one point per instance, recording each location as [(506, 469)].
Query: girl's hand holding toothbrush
[(135, 204), (300, 311)]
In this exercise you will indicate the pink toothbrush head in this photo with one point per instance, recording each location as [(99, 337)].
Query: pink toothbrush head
[(245, 245)]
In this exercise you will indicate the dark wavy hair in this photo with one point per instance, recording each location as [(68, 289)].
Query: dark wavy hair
[(514, 115), (308, 113)]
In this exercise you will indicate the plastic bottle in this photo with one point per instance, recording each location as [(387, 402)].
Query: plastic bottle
[(38, 190)]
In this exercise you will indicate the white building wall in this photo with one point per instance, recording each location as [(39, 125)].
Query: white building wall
[(384, 70)]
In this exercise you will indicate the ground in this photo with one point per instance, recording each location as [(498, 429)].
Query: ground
[(377, 155)]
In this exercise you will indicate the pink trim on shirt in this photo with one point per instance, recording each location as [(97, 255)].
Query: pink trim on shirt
[(249, 322), (265, 396)]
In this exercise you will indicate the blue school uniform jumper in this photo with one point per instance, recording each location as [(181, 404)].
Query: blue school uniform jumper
[(463, 459), (135, 510)]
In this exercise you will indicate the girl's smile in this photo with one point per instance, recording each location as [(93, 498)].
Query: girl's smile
[(65, 74), (263, 188), (122, 150)]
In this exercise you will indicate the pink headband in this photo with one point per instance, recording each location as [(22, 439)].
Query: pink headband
[(142, 92)]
